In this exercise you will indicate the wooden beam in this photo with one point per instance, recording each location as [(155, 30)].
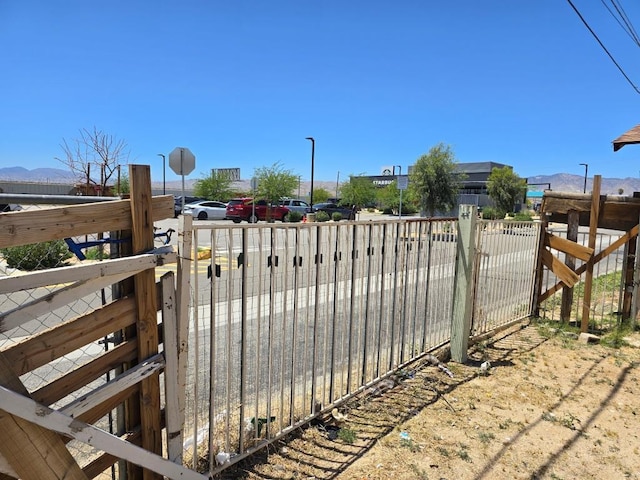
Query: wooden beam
[(104, 461), (87, 373), (44, 347), (147, 321), (29, 311), (593, 231), (183, 296), (57, 223), (33, 452), (569, 247), (115, 386), (26, 409), (570, 262), (564, 273), (173, 390), (86, 271)]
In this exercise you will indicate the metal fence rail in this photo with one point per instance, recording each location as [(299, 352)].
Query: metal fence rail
[(289, 320), (504, 273)]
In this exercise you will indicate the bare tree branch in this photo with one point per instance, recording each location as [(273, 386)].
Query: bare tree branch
[(94, 157)]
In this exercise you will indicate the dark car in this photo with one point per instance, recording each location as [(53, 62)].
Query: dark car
[(330, 208), (177, 203)]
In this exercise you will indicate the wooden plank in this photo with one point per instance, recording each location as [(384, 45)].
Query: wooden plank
[(42, 348), (183, 295), (569, 247), (33, 452), (147, 319), (87, 373), (32, 310), (593, 231), (565, 274), (104, 461), (173, 390), (57, 223), (99, 411), (29, 311), (110, 389), (86, 271), (26, 409)]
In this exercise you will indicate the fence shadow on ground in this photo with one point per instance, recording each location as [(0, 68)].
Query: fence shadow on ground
[(314, 452)]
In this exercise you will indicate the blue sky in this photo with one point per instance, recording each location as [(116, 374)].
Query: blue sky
[(242, 83)]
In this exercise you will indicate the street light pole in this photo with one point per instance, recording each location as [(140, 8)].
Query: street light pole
[(313, 150), (337, 186), (164, 181), (586, 169), (397, 181)]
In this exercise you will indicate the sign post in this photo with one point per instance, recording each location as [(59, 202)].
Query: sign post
[(182, 162), (254, 186), (402, 185)]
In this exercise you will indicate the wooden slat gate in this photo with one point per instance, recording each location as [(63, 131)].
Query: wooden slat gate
[(38, 424), (619, 214)]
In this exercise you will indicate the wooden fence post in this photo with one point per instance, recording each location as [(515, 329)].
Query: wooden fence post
[(593, 231), (573, 221), (146, 301), (463, 283)]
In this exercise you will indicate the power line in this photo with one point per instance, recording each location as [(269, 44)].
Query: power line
[(625, 17), (622, 19), (602, 45)]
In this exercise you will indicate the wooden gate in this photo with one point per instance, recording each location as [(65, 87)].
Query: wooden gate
[(37, 424), (595, 211)]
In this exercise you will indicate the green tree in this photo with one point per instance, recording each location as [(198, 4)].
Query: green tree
[(389, 198), (122, 186), (435, 181), (505, 188), (215, 186), (320, 195), (275, 182), (358, 191)]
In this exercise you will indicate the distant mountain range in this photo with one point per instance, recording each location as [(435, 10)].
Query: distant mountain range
[(46, 175), (564, 182)]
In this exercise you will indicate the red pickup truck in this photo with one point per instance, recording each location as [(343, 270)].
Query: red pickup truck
[(239, 209)]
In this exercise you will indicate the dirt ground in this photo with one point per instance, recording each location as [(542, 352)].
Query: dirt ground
[(549, 407)]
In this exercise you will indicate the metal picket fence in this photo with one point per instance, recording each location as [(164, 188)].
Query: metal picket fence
[(504, 272), (290, 320)]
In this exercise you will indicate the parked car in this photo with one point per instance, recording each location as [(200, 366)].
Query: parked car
[(239, 209), (177, 203), (206, 210), (330, 208), (296, 205)]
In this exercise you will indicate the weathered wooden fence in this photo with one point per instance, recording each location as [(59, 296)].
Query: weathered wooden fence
[(80, 345)]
